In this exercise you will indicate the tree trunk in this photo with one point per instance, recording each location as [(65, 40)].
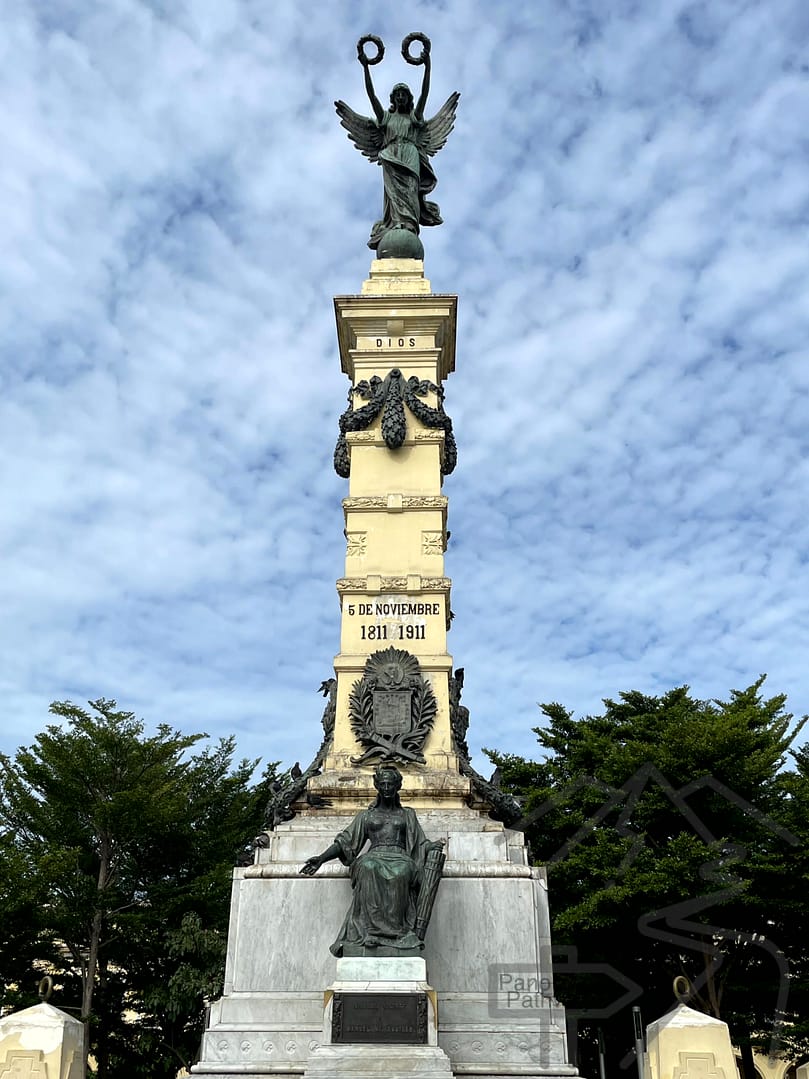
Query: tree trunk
[(102, 1051), (92, 951), (713, 996), (748, 1064)]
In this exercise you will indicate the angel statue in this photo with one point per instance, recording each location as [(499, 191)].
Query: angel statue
[(402, 142)]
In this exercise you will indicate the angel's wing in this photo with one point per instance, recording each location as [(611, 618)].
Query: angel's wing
[(362, 130), (436, 131)]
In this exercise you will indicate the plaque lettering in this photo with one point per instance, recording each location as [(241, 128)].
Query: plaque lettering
[(380, 1018)]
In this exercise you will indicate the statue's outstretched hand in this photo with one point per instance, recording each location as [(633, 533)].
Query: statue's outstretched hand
[(311, 866)]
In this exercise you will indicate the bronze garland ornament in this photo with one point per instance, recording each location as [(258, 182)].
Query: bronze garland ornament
[(389, 395)]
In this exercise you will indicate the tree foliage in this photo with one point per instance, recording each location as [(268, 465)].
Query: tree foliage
[(124, 844), (674, 833)]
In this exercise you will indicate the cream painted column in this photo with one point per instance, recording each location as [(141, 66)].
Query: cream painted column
[(394, 592)]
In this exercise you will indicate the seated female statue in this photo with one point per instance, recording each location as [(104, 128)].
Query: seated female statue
[(385, 878)]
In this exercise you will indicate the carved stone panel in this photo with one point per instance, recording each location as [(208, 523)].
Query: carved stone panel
[(356, 543), (698, 1066), (392, 711), (24, 1064), (432, 542)]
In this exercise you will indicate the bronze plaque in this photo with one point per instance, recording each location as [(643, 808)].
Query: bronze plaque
[(392, 711), (380, 1018)]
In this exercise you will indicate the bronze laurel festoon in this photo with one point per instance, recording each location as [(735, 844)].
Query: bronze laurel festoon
[(389, 395), (402, 142)]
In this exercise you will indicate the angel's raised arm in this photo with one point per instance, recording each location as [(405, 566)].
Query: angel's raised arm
[(369, 86), (421, 104)]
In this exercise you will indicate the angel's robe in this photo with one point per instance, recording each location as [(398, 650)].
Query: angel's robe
[(385, 880), (408, 177)]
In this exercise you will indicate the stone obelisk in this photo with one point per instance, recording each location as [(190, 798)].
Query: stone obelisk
[(397, 344), (475, 996)]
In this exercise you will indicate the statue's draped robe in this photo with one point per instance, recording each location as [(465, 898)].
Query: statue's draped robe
[(385, 880), (408, 177)]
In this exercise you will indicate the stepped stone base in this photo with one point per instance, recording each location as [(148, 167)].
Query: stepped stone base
[(490, 926), (382, 1061), (353, 789)]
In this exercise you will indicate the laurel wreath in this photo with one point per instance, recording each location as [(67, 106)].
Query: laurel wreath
[(371, 39), (425, 48)]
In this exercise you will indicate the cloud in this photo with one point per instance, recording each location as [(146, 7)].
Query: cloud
[(625, 207)]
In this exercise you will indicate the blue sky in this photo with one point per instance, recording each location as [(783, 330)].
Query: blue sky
[(625, 206)]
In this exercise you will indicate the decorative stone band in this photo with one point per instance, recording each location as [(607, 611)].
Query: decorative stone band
[(375, 438), (414, 582), (506, 870), (438, 788), (395, 502)]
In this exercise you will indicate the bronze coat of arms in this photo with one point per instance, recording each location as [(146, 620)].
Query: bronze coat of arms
[(391, 708)]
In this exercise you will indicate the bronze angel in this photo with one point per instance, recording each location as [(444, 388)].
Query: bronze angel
[(401, 141)]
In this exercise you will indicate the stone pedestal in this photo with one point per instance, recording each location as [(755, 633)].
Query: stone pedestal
[(42, 1042), (380, 1020), (381, 987), (487, 951)]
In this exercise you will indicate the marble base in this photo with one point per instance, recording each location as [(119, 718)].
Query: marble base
[(490, 926), (367, 970), (382, 1061), (389, 976)]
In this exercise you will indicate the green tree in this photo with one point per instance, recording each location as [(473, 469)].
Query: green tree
[(132, 839), (783, 895), (27, 950), (665, 826)]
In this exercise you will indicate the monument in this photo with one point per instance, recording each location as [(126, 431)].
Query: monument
[(391, 923)]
